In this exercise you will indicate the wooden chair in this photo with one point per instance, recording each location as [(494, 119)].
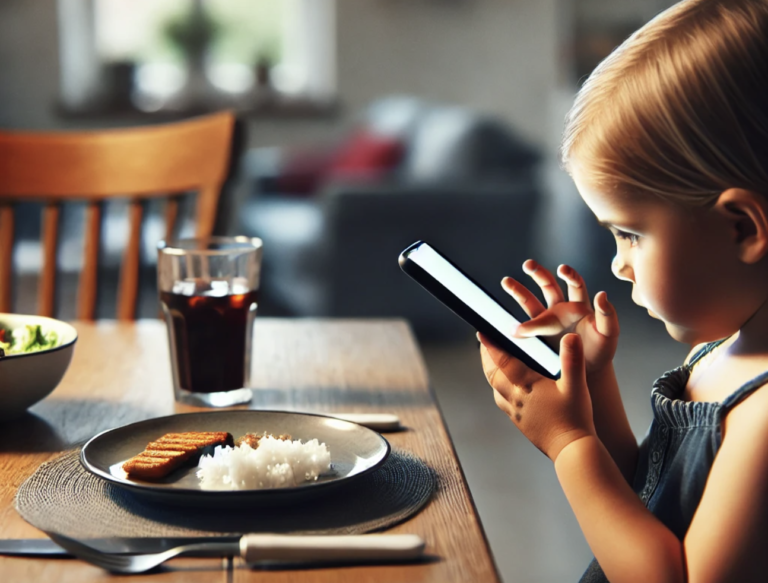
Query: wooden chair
[(95, 166)]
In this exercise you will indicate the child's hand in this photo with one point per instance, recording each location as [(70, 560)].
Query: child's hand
[(598, 327), (551, 414)]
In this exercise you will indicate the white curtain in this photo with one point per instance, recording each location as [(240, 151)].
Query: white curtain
[(309, 63), (79, 63)]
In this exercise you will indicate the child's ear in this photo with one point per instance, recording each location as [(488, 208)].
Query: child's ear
[(747, 213)]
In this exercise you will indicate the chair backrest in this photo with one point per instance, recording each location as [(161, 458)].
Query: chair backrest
[(94, 166)]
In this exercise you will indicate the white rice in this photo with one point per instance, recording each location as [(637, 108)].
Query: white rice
[(275, 463)]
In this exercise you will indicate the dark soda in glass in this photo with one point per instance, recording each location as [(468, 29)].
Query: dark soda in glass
[(210, 339)]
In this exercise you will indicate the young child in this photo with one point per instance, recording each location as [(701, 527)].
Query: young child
[(668, 145)]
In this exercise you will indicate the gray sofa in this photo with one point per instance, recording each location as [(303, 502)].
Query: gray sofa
[(467, 185), (345, 263)]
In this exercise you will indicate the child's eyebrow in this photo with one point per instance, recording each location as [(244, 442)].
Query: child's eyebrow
[(609, 226), (606, 225)]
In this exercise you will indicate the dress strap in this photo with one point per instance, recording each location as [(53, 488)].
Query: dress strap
[(703, 351), (744, 391)]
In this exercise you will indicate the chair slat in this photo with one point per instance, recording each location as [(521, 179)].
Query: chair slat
[(46, 301), (207, 202), (171, 216), (6, 257), (89, 277), (129, 272)]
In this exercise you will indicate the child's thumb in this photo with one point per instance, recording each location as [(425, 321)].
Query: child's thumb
[(572, 363), (543, 324)]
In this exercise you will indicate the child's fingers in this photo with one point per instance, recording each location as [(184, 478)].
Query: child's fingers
[(546, 325), (498, 362), (606, 319), (495, 355), (574, 373), (577, 289), (553, 321), (502, 403), (546, 281), (523, 296)]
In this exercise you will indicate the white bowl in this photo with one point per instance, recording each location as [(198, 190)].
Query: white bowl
[(28, 378)]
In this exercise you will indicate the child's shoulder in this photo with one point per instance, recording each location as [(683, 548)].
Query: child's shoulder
[(750, 415)]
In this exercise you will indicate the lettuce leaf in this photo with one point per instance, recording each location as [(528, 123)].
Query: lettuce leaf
[(28, 338)]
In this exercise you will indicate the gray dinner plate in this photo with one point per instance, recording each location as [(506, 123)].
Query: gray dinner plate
[(355, 451)]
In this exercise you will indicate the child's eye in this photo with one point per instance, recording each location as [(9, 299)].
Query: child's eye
[(631, 237)]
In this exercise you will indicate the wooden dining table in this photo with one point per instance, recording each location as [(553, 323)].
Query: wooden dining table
[(120, 373)]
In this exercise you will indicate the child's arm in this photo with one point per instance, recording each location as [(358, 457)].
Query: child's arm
[(628, 541), (599, 329), (611, 420), (726, 538)]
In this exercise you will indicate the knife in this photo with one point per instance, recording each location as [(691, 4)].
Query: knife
[(377, 421), (253, 548), (45, 547)]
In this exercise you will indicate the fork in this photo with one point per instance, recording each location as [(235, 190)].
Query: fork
[(261, 547)]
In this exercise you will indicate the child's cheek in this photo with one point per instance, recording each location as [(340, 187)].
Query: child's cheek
[(656, 291), (677, 301)]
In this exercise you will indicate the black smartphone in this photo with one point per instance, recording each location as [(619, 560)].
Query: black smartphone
[(449, 284)]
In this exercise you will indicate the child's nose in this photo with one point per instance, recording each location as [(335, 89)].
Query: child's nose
[(621, 270)]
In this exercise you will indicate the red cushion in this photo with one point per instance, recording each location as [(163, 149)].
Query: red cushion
[(365, 156), (362, 157), (304, 170)]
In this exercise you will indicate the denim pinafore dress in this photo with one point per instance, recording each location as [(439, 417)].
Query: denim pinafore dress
[(676, 455)]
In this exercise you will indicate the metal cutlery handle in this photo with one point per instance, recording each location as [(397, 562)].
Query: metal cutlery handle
[(362, 547), (375, 421)]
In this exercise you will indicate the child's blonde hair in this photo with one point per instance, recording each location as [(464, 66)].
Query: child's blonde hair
[(680, 109)]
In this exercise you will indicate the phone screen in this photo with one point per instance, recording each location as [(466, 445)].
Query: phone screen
[(482, 304)]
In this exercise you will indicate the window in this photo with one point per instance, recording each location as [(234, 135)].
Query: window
[(189, 55)]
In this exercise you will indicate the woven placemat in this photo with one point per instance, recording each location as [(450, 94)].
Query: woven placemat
[(62, 497)]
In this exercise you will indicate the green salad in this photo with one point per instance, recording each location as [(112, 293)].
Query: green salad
[(24, 339)]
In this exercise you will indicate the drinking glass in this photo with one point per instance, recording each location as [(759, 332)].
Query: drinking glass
[(209, 292)]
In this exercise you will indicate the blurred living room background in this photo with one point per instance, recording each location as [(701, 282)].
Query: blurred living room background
[(363, 125)]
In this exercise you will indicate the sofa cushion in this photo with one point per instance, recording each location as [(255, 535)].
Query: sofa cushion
[(365, 156), (303, 170), (456, 144)]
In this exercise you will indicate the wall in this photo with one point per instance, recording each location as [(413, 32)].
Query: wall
[(495, 55), (613, 11), (29, 69)]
